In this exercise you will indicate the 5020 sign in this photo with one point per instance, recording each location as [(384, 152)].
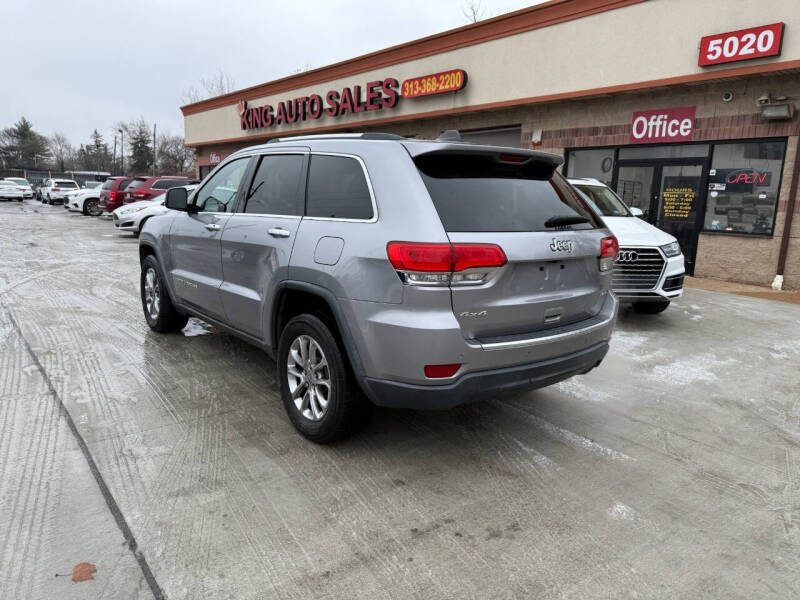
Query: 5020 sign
[(744, 44)]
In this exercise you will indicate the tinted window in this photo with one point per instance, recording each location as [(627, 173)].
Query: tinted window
[(165, 184), (108, 184), (135, 183), (219, 192), (276, 186), (66, 184), (478, 193), (125, 183), (337, 189)]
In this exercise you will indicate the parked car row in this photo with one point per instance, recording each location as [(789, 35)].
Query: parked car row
[(425, 274)]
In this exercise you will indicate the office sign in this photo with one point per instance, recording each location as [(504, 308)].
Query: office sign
[(663, 125), (743, 44)]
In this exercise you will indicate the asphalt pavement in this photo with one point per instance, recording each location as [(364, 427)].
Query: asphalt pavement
[(168, 464)]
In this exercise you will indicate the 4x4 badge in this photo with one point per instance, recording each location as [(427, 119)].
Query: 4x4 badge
[(562, 245)]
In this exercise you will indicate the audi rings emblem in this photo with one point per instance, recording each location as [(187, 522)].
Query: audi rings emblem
[(627, 256)]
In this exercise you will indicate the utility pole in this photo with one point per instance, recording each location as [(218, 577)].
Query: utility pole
[(122, 151), (154, 148)]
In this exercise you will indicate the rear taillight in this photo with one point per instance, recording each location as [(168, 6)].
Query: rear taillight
[(55, 189), (444, 264), (112, 195), (609, 249)]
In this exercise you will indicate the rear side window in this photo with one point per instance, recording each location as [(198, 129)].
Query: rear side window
[(108, 184), (125, 183), (165, 184), (475, 192), (275, 189), (337, 189), (135, 183)]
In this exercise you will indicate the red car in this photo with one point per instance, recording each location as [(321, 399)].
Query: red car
[(149, 188), (112, 193)]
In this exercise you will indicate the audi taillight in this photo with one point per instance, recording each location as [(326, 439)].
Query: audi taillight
[(609, 249), (444, 264)]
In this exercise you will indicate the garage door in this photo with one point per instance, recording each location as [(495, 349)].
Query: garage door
[(507, 136)]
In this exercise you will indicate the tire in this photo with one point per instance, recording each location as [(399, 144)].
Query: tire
[(159, 311), (650, 308), (347, 409), (91, 208)]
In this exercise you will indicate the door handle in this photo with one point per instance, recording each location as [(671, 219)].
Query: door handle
[(212, 226), (279, 232)]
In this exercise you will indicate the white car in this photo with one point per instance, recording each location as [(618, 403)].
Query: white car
[(131, 217), (85, 200), (10, 191), (23, 184), (55, 190), (649, 269)]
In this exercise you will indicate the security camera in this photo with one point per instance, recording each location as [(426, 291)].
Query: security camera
[(727, 96), (762, 99)]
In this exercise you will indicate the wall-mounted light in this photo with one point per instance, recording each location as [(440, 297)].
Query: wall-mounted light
[(775, 112)]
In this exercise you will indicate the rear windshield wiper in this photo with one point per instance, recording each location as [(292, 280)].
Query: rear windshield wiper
[(563, 220)]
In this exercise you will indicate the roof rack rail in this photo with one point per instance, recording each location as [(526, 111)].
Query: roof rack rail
[(334, 136)]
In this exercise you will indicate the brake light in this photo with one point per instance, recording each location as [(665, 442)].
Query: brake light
[(443, 264), (439, 371), (609, 249), (112, 195), (55, 189), (514, 158)]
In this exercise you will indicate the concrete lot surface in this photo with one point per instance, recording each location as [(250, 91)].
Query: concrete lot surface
[(672, 471)]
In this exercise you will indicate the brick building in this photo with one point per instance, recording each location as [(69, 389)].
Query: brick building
[(691, 100)]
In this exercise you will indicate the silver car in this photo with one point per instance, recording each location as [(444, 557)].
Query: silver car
[(382, 270)]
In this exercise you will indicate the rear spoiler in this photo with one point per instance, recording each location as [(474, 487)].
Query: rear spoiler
[(543, 164)]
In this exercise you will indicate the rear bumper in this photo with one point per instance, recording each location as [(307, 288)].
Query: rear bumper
[(484, 384)]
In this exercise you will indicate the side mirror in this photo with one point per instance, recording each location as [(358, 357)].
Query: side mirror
[(636, 212), (176, 199)]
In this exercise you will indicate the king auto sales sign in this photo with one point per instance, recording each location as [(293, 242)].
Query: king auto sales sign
[(375, 95)]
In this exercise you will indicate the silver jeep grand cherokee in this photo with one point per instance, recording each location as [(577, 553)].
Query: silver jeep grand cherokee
[(382, 270)]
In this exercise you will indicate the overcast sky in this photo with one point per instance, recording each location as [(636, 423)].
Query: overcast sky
[(75, 65)]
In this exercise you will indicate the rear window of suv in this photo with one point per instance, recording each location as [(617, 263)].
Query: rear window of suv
[(165, 184), (135, 183), (476, 192), (66, 184)]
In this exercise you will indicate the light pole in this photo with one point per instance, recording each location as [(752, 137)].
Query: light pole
[(122, 151)]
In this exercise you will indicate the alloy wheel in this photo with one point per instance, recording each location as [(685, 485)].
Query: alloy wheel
[(309, 377), (152, 293)]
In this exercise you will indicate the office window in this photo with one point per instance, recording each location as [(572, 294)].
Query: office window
[(743, 187)]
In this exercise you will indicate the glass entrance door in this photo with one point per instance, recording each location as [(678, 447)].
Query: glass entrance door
[(679, 207), (670, 194)]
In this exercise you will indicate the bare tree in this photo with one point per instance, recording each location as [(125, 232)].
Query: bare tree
[(473, 11), (304, 68), (62, 151), (216, 85), (174, 157)]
